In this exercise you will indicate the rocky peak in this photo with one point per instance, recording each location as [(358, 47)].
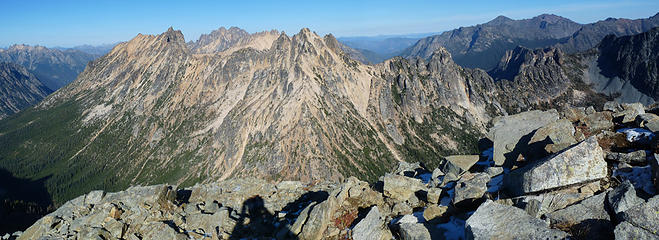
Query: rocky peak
[(173, 36), (516, 60), (550, 18), (441, 55), (499, 20), (232, 39)]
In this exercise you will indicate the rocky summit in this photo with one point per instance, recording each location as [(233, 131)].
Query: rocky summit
[(575, 175)]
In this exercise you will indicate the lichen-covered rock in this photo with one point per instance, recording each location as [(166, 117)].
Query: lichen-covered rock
[(581, 163), (623, 197), (493, 220), (629, 112), (589, 218), (470, 187), (648, 121), (554, 136), (636, 157), (413, 231), (644, 215), (627, 231), (400, 187)]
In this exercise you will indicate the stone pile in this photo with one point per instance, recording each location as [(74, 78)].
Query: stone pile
[(577, 173)]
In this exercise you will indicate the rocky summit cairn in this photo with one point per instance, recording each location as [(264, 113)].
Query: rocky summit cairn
[(575, 173)]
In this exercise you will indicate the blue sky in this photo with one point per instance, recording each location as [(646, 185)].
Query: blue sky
[(69, 23)]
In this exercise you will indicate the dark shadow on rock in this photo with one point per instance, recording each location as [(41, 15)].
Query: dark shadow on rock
[(484, 144), (520, 149), (183, 196), (256, 222), (593, 229), (23, 202)]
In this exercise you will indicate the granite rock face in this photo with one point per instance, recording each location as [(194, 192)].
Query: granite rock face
[(581, 163), (509, 130), (493, 220), (589, 218)]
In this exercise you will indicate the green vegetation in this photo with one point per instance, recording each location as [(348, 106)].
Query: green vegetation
[(422, 147)]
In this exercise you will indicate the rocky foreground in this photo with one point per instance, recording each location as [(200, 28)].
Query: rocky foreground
[(579, 173)]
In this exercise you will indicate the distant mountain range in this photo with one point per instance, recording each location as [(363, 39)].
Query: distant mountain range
[(42, 70), (98, 50), (376, 49), (54, 68), (483, 45), (19, 89)]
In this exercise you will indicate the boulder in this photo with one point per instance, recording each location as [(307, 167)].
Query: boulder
[(413, 231), (573, 114), (494, 171), (654, 164), (612, 106), (433, 195), (209, 222), (509, 130), (627, 231), (581, 163), (318, 220), (596, 122), (470, 187), (551, 201), (629, 113), (116, 228), (554, 136), (588, 218), (371, 227), (160, 230), (94, 197), (401, 208), (434, 211), (648, 121), (460, 163), (407, 169), (401, 188), (623, 197), (496, 221), (645, 215), (636, 157)]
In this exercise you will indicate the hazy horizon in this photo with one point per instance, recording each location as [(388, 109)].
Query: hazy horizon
[(73, 23)]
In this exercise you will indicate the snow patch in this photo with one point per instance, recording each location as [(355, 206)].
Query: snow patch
[(637, 134), (640, 177)]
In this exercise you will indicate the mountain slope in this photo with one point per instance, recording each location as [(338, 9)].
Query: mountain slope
[(19, 89), (483, 45), (625, 67), (54, 68), (156, 109)]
